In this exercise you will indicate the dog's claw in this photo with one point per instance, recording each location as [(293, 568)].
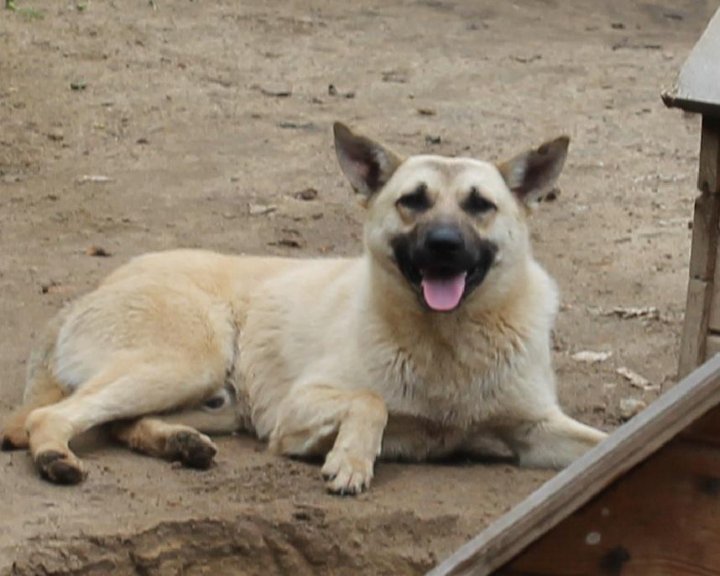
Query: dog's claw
[(345, 474)]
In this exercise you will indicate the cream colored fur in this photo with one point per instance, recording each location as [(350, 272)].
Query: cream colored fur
[(323, 357)]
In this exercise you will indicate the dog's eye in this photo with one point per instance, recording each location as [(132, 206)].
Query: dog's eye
[(477, 204), (417, 200)]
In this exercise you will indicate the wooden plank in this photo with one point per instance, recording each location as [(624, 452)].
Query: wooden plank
[(698, 84), (714, 318), (712, 344), (661, 519), (700, 294), (702, 309), (585, 478), (695, 326), (703, 253), (708, 181)]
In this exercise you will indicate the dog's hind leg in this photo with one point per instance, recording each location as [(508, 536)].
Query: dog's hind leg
[(13, 435), (42, 390), (176, 442), (553, 442), (178, 436), (124, 390), (349, 423)]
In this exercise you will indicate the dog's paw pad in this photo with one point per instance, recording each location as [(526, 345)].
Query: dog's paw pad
[(192, 449), (59, 468), (346, 474)]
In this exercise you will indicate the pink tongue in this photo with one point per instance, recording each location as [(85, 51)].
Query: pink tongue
[(443, 294)]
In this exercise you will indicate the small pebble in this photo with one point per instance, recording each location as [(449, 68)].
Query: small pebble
[(630, 407)]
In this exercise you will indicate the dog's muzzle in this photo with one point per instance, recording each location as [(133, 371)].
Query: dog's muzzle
[(443, 263)]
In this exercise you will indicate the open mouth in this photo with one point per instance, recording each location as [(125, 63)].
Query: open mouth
[(443, 294), (444, 289), (442, 279)]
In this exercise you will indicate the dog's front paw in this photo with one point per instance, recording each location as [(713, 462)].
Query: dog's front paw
[(347, 473)]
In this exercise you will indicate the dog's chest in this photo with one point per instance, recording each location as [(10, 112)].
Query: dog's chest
[(455, 386), (439, 398)]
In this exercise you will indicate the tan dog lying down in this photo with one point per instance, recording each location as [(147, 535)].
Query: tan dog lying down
[(433, 339)]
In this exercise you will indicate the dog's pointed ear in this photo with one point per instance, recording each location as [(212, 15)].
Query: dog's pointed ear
[(532, 174), (366, 164)]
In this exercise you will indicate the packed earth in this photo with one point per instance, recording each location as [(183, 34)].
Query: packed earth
[(127, 127)]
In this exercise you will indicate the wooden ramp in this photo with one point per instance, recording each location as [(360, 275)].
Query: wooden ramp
[(644, 502)]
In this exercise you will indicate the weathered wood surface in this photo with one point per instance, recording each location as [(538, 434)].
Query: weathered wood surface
[(712, 344), (703, 255), (567, 492), (705, 245), (695, 326), (698, 86), (708, 181), (661, 519), (701, 293)]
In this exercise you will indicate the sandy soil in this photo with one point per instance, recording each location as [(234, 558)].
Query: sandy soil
[(198, 114)]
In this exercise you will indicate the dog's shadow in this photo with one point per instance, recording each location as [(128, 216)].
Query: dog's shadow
[(464, 459), (391, 471)]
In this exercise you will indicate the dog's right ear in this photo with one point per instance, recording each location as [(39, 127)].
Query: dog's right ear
[(366, 164), (533, 173)]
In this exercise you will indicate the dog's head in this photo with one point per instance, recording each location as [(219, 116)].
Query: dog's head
[(448, 226)]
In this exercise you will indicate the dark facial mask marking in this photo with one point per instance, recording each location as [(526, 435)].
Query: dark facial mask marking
[(476, 204), (417, 200), (442, 253)]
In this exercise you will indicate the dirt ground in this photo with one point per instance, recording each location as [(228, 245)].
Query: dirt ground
[(137, 126)]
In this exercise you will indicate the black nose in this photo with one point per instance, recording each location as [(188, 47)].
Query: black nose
[(444, 240)]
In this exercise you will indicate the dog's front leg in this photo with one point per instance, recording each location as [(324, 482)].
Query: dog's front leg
[(553, 441), (312, 416)]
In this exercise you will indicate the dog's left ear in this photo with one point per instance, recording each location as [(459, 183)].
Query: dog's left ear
[(366, 164), (532, 174)]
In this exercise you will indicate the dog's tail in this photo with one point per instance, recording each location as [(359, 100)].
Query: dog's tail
[(41, 389)]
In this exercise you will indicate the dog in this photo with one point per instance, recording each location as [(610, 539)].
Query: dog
[(435, 338)]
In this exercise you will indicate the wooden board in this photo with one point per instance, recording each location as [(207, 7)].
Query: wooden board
[(661, 519), (712, 344), (708, 181), (700, 296), (698, 86), (703, 255), (695, 326), (567, 492)]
